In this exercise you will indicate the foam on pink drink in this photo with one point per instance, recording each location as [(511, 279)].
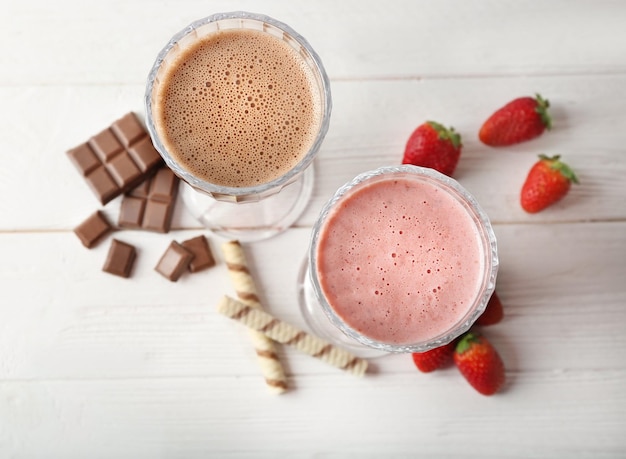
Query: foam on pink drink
[(400, 260)]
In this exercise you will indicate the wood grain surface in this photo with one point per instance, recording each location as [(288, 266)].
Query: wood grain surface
[(96, 366)]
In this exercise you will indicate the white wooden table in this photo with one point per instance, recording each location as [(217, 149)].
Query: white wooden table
[(92, 365)]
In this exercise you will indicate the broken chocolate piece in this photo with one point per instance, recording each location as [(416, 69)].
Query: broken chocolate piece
[(150, 206), (174, 261), (117, 159), (120, 259), (93, 229), (202, 255)]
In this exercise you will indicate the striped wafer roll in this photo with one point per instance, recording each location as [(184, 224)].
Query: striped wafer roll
[(282, 332), (245, 287)]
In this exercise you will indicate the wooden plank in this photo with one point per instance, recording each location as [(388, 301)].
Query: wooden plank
[(117, 42), (370, 124), (61, 317), (96, 366), (232, 417)]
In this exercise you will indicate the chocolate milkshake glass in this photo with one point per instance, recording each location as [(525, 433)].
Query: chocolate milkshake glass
[(402, 259), (238, 104)]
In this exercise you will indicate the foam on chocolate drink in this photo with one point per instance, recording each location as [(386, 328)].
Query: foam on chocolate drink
[(237, 108)]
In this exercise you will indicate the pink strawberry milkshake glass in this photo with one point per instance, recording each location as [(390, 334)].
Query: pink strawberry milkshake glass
[(402, 259)]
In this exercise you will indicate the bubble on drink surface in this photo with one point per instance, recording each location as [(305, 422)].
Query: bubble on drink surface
[(238, 108)]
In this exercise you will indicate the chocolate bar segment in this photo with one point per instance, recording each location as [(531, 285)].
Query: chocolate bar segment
[(106, 145), (116, 159), (93, 229), (158, 195), (141, 191), (84, 159), (120, 259), (128, 129), (102, 184), (157, 216), (124, 171), (174, 261), (164, 185), (202, 255), (131, 212), (143, 153)]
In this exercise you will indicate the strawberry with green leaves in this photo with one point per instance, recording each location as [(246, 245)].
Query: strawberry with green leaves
[(435, 146), (434, 359), (520, 120), (479, 362), (548, 181)]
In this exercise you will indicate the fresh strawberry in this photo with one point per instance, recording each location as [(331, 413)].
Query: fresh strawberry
[(435, 358), (480, 363), (435, 146), (493, 312), (548, 181), (521, 119)]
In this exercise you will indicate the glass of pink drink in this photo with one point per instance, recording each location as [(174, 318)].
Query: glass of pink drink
[(238, 104), (402, 259)]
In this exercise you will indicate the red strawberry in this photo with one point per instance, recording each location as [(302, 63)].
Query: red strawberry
[(521, 119), (479, 363), (548, 181), (493, 312), (435, 146), (435, 358)]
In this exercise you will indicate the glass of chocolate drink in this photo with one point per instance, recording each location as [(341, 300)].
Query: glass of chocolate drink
[(238, 104)]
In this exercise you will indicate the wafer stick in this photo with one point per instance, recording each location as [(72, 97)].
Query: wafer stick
[(282, 332), (245, 287)]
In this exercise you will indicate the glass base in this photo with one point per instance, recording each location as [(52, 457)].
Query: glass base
[(320, 325), (251, 221)]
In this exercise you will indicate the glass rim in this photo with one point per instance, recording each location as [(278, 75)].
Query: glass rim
[(487, 237), (293, 173)]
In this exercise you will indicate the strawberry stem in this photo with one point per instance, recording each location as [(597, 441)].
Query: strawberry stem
[(542, 109), (558, 165), (466, 341), (446, 134)]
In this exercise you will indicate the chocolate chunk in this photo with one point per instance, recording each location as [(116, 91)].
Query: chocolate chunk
[(120, 259), (131, 212), (106, 145), (202, 256), (174, 261), (102, 184), (158, 195), (124, 171), (128, 129), (157, 217), (164, 185), (142, 153), (84, 159), (116, 159), (142, 190), (93, 229)]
